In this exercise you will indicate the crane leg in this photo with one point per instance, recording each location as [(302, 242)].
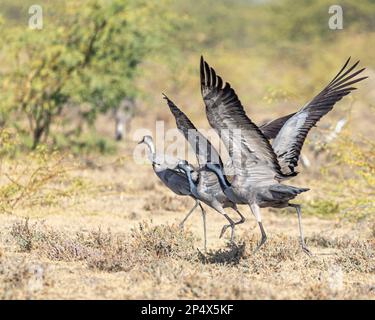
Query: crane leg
[(204, 227), (256, 212), (232, 225), (181, 225), (225, 227), (302, 239)]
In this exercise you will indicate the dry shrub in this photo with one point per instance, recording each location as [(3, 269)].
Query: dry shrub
[(358, 256), (163, 241), (330, 242), (232, 255), (38, 178), (277, 250), (352, 255), (100, 250), (23, 235), (104, 250)]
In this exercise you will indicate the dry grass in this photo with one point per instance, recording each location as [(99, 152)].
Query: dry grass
[(162, 261), (102, 250)]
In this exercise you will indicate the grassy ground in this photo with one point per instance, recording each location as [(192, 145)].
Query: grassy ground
[(115, 235)]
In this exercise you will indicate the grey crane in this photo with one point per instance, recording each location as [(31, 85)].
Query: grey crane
[(259, 166), (174, 179), (178, 182), (207, 188), (123, 114)]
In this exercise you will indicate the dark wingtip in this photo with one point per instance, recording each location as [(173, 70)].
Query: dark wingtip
[(166, 98), (202, 72), (347, 62), (355, 64), (202, 62), (169, 101), (290, 174), (342, 73)]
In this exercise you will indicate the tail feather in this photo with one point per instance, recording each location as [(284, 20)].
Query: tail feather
[(285, 192)]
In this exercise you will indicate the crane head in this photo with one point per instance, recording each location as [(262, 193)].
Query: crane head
[(146, 139), (184, 165)]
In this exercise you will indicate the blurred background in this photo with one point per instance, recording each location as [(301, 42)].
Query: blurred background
[(94, 74)]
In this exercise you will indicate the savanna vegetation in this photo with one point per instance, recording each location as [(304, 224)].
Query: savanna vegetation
[(80, 219)]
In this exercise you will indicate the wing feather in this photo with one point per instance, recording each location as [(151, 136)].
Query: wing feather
[(289, 141), (250, 151), (271, 129), (204, 150)]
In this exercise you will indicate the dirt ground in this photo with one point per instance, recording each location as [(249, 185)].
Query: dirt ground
[(117, 237)]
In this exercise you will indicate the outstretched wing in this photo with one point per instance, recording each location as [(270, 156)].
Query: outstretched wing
[(288, 142), (204, 150), (252, 155), (271, 129)]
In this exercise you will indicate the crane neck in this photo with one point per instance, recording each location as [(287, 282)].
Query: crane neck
[(224, 183), (151, 151), (192, 185)]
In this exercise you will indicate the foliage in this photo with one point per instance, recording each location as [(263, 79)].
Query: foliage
[(354, 161), (26, 184), (90, 54)]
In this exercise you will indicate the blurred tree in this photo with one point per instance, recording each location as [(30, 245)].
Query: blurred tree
[(88, 54)]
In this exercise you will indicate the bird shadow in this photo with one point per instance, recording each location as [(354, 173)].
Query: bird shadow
[(232, 254)]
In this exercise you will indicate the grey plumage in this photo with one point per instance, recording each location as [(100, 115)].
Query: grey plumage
[(175, 179), (271, 129), (207, 189), (250, 151), (288, 142), (260, 167), (123, 114)]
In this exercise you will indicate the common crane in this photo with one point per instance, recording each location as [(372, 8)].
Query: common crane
[(207, 188), (259, 166), (174, 179), (123, 114)]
